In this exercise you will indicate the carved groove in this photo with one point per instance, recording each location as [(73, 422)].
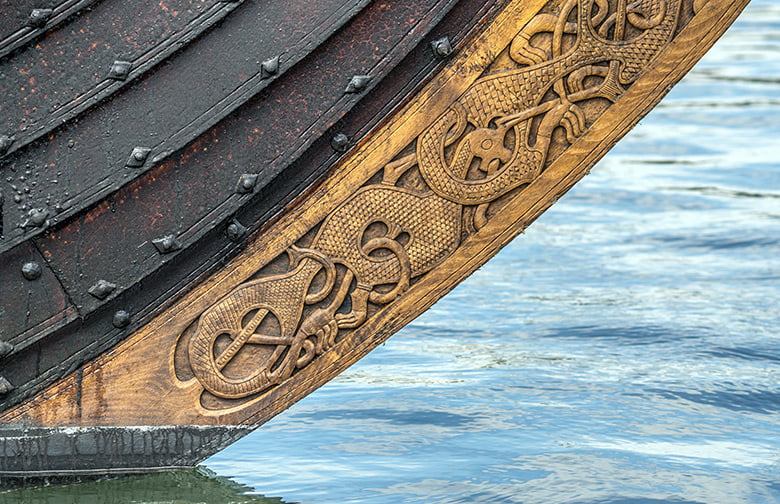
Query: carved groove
[(559, 74)]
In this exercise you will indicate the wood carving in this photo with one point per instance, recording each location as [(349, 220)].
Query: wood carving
[(558, 75), (518, 117)]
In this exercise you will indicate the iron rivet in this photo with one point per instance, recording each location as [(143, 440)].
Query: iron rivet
[(121, 319), (35, 218), (32, 270), (357, 83), (167, 244), (5, 386), (5, 143), (246, 183), (138, 157), (340, 142), (119, 70), (39, 17), (102, 289), (269, 67), (235, 231), (442, 48), (5, 348)]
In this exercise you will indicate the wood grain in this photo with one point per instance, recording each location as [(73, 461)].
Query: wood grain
[(269, 329)]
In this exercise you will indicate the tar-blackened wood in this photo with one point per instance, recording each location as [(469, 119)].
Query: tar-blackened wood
[(302, 223), (193, 194), (32, 301), (97, 55), (95, 152), (180, 368), (23, 22)]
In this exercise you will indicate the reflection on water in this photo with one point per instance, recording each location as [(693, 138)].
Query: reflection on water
[(180, 487), (625, 350)]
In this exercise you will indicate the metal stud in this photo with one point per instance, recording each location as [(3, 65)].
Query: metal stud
[(167, 244), (120, 70), (5, 348), (121, 319), (357, 84), (246, 183), (39, 17), (138, 157), (340, 142), (5, 143), (235, 231), (5, 386), (442, 48), (36, 218), (102, 289), (32, 270), (269, 67)]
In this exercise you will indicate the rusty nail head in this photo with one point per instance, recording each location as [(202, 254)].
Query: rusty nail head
[(235, 231), (167, 244), (102, 289), (5, 348), (39, 17), (357, 83), (246, 183), (121, 319), (5, 143), (5, 386), (442, 48), (32, 270), (119, 70), (138, 157), (340, 142), (269, 67), (36, 218)]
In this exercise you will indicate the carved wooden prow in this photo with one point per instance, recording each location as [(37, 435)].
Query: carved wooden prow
[(521, 112)]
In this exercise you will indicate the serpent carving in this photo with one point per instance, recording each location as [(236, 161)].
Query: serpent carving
[(494, 138)]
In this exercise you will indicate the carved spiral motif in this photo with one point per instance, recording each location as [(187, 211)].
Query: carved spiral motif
[(494, 138)]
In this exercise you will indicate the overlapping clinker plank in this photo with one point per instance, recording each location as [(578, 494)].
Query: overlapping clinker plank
[(260, 139), (102, 236), (87, 158), (73, 68), (23, 21)]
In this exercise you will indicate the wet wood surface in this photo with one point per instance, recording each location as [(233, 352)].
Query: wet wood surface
[(415, 208)]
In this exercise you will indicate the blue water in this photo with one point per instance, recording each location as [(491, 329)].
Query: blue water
[(624, 350)]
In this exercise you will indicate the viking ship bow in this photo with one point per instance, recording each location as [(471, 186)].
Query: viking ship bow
[(209, 209)]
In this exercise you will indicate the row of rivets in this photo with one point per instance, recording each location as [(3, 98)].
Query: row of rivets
[(442, 48), (235, 231)]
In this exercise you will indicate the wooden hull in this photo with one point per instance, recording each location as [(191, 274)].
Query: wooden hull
[(307, 258)]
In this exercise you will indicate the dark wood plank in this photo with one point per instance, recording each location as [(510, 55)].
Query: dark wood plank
[(212, 358)]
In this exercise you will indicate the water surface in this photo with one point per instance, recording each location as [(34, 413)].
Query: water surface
[(625, 350)]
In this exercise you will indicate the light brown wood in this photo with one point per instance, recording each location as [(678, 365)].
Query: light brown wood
[(507, 128)]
